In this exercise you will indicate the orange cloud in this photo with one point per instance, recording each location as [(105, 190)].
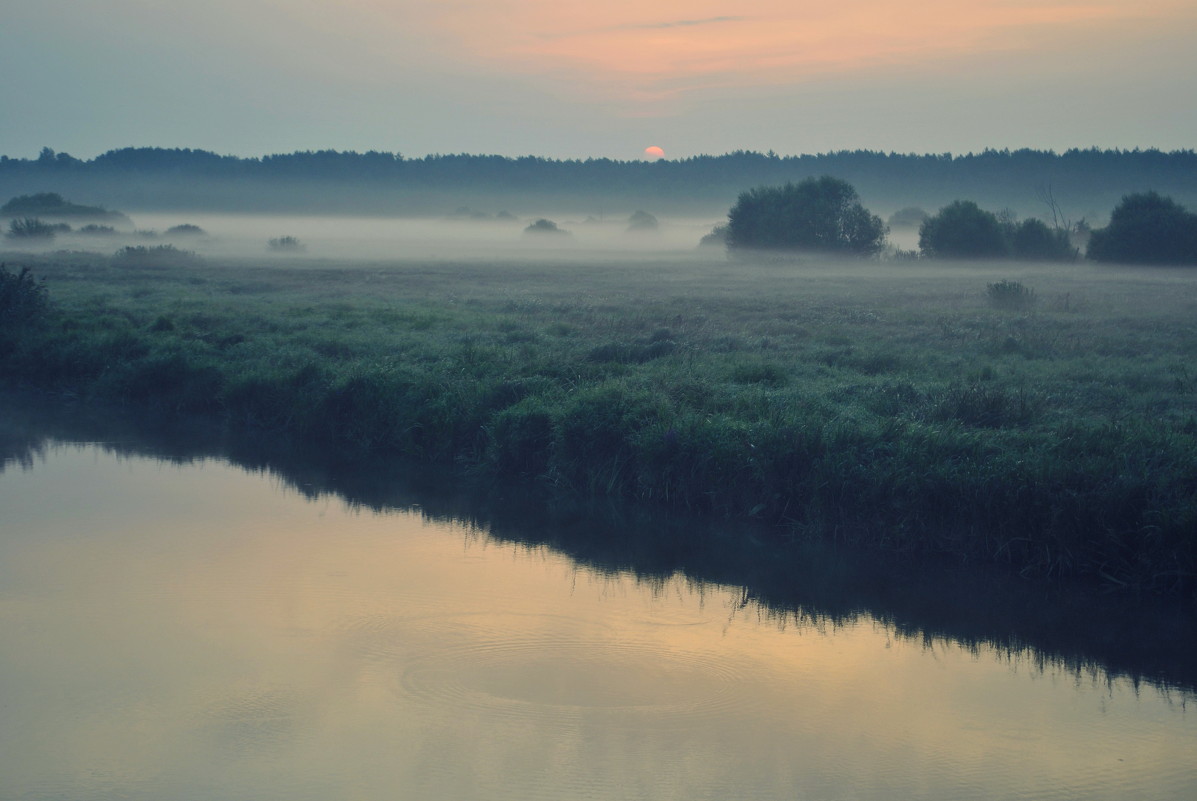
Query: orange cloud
[(640, 52)]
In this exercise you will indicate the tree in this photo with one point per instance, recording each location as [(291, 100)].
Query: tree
[(820, 214), (1147, 228), (1032, 239), (963, 230), (717, 238), (642, 221), (543, 227), (31, 228)]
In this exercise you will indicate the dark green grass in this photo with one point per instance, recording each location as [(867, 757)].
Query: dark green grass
[(892, 406)]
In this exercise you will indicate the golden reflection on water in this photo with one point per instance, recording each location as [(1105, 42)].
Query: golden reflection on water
[(198, 632)]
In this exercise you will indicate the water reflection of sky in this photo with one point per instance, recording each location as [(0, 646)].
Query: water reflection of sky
[(200, 632)]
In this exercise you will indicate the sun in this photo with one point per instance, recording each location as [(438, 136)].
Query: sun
[(652, 153)]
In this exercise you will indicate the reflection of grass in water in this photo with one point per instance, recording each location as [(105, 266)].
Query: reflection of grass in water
[(895, 408), (802, 581)]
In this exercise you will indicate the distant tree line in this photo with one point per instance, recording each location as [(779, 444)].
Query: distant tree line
[(996, 177)]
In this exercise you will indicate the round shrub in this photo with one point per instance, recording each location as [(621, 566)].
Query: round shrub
[(1147, 228), (963, 230), (817, 214)]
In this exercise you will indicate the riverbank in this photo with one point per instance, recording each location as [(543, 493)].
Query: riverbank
[(888, 405)]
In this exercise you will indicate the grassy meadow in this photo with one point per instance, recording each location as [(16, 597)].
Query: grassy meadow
[(1049, 423)]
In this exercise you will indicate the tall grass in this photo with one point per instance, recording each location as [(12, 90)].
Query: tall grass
[(895, 409)]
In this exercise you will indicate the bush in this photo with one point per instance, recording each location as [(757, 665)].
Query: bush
[(286, 244), (963, 230), (1032, 239), (641, 222), (1147, 228), (543, 227), (32, 228), (23, 300), (186, 229), (1010, 295), (160, 256), (819, 214)]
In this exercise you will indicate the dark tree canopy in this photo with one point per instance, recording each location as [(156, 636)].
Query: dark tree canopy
[(963, 230), (1147, 228), (820, 214), (1033, 239)]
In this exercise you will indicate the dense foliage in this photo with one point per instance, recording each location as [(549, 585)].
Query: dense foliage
[(22, 297), (1147, 228), (819, 214), (1033, 239), (897, 409), (963, 230), (23, 306)]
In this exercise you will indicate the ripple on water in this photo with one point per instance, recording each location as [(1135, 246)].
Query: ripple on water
[(550, 669), (253, 720)]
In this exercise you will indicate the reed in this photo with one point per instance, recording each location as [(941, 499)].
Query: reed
[(890, 408)]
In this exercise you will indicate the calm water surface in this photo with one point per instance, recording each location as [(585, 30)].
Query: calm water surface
[(203, 632)]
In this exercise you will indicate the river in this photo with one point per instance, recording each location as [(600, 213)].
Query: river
[(178, 622)]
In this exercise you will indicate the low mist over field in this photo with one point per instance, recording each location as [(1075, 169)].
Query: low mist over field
[(466, 235)]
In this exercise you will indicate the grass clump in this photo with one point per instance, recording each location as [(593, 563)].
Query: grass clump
[(154, 257), (1010, 295)]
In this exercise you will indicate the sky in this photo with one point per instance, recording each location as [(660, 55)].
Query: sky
[(563, 79)]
